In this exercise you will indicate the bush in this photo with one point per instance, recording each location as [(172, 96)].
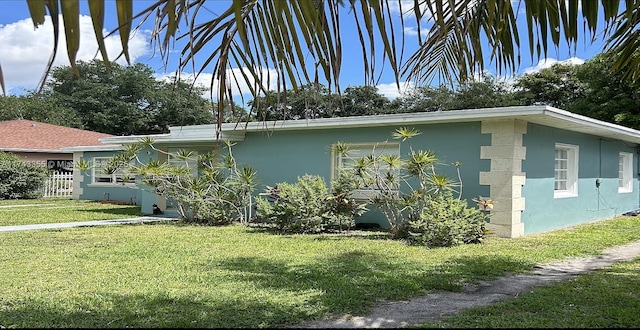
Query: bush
[(295, 208), (445, 221), (20, 180)]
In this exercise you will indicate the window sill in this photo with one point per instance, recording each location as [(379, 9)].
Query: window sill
[(564, 194), (624, 191)]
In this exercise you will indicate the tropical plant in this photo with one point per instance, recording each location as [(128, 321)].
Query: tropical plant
[(302, 40), (416, 200), (218, 194)]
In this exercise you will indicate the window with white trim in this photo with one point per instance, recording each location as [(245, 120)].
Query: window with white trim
[(101, 173), (566, 171), (359, 150), (625, 174)]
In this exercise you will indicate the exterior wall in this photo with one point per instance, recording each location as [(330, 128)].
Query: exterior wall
[(83, 188), (598, 159), (283, 156), (505, 177)]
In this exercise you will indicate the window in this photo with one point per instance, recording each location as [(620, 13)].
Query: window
[(625, 175), (566, 171), (359, 150), (188, 159), (102, 173)]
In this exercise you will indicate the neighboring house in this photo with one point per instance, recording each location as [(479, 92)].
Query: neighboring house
[(546, 168), (42, 143)]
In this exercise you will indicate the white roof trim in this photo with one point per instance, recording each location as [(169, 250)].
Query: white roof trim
[(110, 147), (542, 115)]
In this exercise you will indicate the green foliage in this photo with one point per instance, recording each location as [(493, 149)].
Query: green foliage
[(205, 188), (343, 208), (307, 206), (126, 100), (295, 208), (417, 201), (443, 222), (20, 180)]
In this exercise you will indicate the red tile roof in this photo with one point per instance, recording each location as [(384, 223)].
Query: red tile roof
[(27, 134)]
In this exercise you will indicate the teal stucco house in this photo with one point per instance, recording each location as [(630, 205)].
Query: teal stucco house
[(546, 168)]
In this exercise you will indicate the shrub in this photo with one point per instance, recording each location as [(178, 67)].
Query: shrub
[(219, 194), (20, 180), (417, 201), (295, 208), (444, 221)]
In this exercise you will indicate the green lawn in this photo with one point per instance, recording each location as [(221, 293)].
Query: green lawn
[(28, 212), (608, 298), (174, 275)]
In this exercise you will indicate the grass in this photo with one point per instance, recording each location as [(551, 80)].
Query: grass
[(168, 275), (608, 298), (27, 212)]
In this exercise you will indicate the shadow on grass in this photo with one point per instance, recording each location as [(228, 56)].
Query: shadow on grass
[(105, 310), (374, 234), (356, 281), (133, 210), (352, 282)]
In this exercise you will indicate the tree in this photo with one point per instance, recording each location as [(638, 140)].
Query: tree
[(485, 92), (298, 37), (607, 96), (126, 100), (590, 89), (362, 101), (557, 86), (425, 99), (37, 107), (253, 34)]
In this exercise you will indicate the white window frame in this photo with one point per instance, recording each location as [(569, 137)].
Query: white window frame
[(357, 150), (566, 185), (100, 178), (625, 172)]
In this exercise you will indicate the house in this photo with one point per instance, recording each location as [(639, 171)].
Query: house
[(42, 143), (546, 168)]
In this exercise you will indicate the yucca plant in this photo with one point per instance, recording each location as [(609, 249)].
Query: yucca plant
[(405, 190)]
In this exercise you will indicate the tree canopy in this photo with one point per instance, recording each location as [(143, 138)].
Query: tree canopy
[(124, 100), (302, 40)]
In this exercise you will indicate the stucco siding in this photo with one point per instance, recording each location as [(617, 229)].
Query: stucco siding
[(598, 159), (112, 192), (283, 156)]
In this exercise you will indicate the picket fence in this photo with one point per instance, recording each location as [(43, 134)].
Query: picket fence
[(59, 184)]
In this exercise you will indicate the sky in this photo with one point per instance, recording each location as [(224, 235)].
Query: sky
[(24, 50)]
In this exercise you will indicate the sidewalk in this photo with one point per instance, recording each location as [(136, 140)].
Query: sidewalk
[(431, 307), (85, 223)]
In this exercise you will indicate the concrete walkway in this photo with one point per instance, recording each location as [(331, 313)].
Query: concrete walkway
[(85, 223), (431, 307)]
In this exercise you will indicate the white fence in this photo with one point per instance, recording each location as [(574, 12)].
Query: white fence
[(59, 184)]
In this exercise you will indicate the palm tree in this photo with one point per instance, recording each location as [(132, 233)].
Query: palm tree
[(301, 40)]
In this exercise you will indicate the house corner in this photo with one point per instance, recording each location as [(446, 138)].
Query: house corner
[(505, 178)]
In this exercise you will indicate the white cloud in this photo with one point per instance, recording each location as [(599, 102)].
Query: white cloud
[(242, 88), (391, 90), (25, 51), (549, 62)]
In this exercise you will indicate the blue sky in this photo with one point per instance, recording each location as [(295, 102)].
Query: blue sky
[(25, 50)]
